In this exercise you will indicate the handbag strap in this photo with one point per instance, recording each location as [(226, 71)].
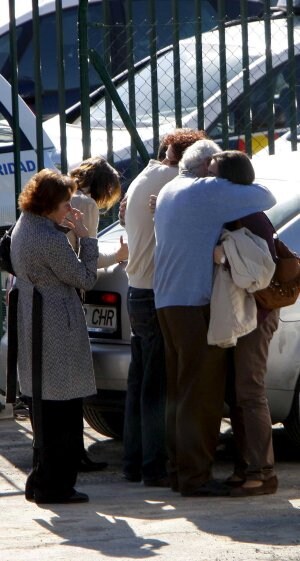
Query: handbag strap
[(12, 347), (37, 341)]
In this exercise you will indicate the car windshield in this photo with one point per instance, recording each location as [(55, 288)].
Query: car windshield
[(165, 80), (6, 134)]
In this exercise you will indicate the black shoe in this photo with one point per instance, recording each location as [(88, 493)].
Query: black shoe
[(86, 464), (160, 482), (211, 488), (75, 497), (29, 495), (132, 477), (29, 488)]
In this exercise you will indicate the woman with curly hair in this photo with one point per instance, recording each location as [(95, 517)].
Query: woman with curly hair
[(98, 187), (174, 144), (254, 471)]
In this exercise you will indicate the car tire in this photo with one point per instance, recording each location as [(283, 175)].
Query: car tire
[(106, 423), (292, 422)]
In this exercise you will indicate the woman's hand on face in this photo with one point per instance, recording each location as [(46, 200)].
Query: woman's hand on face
[(122, 253), (74, 221)]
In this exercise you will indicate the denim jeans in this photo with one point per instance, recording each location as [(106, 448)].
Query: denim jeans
[(144, 430)]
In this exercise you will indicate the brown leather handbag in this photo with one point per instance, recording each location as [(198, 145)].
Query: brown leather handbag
[(284, 287)]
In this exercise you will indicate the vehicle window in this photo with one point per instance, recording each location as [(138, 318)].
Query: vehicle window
[(258, 105), (165, 74), (186, 16), (232, 8), (6, 134), (48, 56), (115, 37), (186, 9)]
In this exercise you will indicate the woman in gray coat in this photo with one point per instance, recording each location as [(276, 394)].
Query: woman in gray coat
[(53, 353)]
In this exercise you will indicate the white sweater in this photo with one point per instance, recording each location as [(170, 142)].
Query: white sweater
[(139, 222)]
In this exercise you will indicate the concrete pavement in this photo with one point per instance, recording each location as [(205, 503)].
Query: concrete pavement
[(128, 521)]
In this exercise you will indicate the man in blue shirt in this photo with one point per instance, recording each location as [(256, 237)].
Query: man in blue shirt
[(189, 217)]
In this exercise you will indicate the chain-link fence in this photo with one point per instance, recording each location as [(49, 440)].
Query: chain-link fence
[(240, 82)]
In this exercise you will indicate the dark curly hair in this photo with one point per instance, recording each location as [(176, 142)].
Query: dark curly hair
[(45, 191), (95, 176), (180, 140)]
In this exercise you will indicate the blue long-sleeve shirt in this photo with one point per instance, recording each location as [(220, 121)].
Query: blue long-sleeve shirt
[(189, 217)]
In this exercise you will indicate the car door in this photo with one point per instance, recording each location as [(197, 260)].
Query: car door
[(284, 352)]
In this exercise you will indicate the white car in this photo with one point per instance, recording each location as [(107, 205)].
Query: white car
[(28, 153), (214, 111)]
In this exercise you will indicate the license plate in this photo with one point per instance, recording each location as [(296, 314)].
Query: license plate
[(100, 318)]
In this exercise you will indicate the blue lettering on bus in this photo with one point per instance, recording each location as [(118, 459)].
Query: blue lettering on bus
[(30, 165), (9, 168)]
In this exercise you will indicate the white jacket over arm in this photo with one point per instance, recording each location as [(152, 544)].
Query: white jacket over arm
[(233, 311)]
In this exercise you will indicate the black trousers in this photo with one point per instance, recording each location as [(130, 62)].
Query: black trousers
[(56, 459)]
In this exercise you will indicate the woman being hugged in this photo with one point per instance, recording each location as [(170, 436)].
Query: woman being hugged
[(254, 470), (52, 339)]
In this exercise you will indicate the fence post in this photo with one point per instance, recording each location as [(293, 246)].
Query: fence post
[(106, 79), (61, 85), (38, 84), (84, 78), (15, 104), (292, 75)]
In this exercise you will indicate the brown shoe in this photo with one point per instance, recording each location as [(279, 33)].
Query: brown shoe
[(267, 487), (235, 481)]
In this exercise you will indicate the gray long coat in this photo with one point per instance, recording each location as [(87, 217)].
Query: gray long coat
[(42, 257)]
